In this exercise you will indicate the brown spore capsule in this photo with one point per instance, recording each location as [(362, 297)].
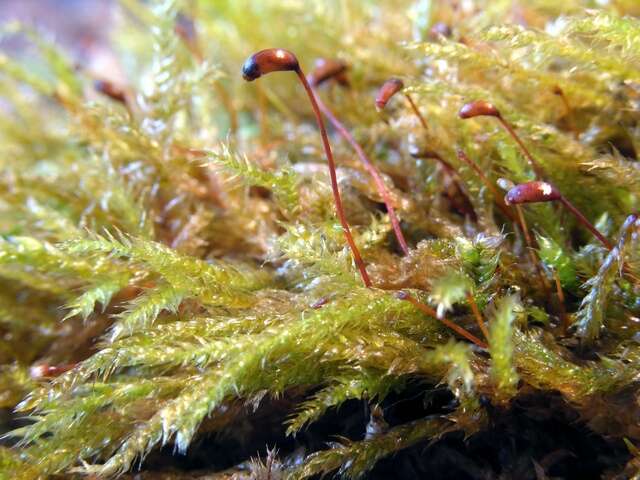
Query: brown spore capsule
[(478, 108), (111, 90), (440, 29), (267, 61), (276, 60), (537, 191), (45, 370), (328, 69), (557, 91), (185, 29), (401, 295), (320, 303), (482, 108), (387, 91), (532, 192)]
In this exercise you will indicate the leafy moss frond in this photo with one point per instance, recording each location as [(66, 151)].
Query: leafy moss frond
[(143, 310), (449, 290), (547, 368), (355, 459), (46, 221), (10, 461), (18, 72), (460, 376), (283, 182), (117, 403), (502, 370), (496, 68), (369, 385), (320, 248), (480, 257), (225, 288), (591, 315), (185, 277), (241, 360), (558, 258), (28, 251), (615, 168), (101, 293), (621, 34), (16, 382), (42, 266), (203, 279), (545, 46), (593, 307), (197, 342)]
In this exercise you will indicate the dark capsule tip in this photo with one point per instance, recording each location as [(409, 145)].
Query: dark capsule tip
[(185, 28), (319, 303), (478, 108), (267, 61), (250, 70), (416, 152), (402, 295), (440, 29), (110, 90), (532, 192)]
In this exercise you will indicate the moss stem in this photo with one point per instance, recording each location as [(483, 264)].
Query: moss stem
[(414, 107), (334, 181), (432, 313), (371, 168), (534, 164), (583, 220), (478, 315)]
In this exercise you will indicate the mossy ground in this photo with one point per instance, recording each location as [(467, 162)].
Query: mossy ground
[(177, 296)]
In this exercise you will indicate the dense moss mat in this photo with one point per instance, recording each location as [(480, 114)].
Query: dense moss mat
[(177, 295)]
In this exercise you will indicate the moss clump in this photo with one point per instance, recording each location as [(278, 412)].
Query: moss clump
[(171, 262)]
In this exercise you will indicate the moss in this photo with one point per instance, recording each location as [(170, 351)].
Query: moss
[(170, 258)]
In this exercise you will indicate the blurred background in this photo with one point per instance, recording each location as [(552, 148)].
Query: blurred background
[(77, 24), (80, 26)]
